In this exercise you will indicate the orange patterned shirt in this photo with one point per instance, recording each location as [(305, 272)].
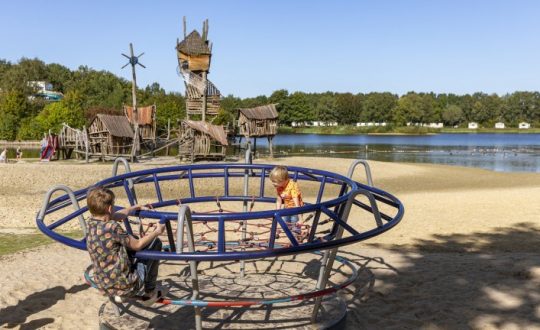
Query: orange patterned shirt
[(290, 191)]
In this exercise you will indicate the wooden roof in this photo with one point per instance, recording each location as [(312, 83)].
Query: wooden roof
[(145, 114), (116, 125), (216, 132), (193, 45), (262, 112)]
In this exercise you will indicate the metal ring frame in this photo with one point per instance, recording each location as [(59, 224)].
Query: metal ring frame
[(333, 208), (252, 302)]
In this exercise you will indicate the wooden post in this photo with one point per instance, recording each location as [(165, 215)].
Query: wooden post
[(134, 60), (204, 97), (168, 135), (135, 116), (87, 142), (270, 146)]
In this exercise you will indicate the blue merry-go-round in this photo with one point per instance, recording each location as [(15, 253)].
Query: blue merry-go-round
[(226, 212)]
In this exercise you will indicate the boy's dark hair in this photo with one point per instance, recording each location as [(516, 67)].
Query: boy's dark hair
[(99, 200)]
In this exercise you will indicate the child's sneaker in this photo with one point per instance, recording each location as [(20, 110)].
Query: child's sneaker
[(149, 300)]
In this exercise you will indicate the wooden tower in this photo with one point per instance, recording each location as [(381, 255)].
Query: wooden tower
[(194, 54)]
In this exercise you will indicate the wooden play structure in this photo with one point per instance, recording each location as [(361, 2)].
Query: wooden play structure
[(194, 54), (200, 140), (258, 122), (134, 134), (146, 120), (112, 136)]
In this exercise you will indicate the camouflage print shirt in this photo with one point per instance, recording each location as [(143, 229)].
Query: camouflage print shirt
[(106, 242)]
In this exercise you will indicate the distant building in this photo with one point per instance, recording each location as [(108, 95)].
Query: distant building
[(436, 125), (473, 125), (44, 90), (524, 125), (499, 125)]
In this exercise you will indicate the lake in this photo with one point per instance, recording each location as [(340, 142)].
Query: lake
[(498, 152)]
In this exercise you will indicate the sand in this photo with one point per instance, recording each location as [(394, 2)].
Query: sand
[(464, 256)]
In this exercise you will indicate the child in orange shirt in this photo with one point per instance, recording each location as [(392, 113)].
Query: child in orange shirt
[(288, 193)]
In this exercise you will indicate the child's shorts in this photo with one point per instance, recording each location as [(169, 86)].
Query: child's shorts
[(290, 218)]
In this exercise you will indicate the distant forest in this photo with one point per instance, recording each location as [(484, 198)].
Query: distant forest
[(88, 92)]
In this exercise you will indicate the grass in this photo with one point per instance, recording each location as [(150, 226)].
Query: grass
[(11, 243)]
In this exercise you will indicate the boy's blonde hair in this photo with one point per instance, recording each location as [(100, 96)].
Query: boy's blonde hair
[(99, 200), (279, 174)]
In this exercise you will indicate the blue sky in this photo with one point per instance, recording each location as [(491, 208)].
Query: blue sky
[(446, 46)]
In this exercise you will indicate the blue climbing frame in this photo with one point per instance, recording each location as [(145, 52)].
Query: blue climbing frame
[(332, 208)]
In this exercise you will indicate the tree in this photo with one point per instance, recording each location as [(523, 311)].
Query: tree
[(412, 108), (58, 75), (378, 107), (325, 110), (452, 115), (69, 111), (13, 107), (296, 109), (279, 97), (347, 108)]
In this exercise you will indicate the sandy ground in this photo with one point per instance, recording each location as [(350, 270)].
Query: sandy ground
[(464, 256)]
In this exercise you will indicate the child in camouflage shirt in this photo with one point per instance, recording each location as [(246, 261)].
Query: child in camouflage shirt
[(115, 272)]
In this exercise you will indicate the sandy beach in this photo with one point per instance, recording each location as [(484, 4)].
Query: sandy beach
[(464, 256)]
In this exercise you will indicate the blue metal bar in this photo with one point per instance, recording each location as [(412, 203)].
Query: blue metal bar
[(338, 221), (226, 178), (221, 235), (158, 188), (273, 229), (62, 221), (191, 187), (287, 231), (321, 190), (263, 178)]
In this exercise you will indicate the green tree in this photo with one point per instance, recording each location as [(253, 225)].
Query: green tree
[(69, 111), (325, 110), (58, 75), (279, 97), (452, 115), (13, 107), (348, 108), (296, 109), (378, 107)]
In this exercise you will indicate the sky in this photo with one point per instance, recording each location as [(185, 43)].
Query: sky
[(444, 46)]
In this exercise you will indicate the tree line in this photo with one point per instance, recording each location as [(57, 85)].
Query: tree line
[(88, 92)]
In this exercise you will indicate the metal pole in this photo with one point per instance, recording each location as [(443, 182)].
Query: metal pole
[(72, 198), (249, 161), (366, 167), (185, 222), (329, 256)]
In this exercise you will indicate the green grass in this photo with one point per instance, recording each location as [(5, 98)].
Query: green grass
[(11, 243)]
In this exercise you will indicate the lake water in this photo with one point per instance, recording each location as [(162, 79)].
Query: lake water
[(498, 152)]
